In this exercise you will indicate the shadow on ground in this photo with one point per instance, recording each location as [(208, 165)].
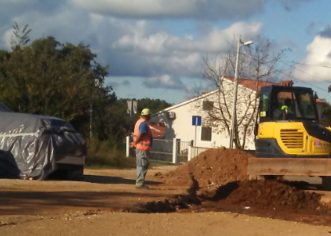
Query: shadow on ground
[(98, 179)]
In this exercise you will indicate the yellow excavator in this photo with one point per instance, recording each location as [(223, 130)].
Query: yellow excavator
[(290, 139)]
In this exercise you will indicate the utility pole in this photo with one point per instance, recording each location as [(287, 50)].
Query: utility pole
[(91, 119), (234, 103)]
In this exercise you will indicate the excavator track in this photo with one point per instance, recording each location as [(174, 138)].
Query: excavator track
[(260, 166)]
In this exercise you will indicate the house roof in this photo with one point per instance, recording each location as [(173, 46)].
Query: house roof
[(190, 100), (321, 101), (247, 83), (252, 84)]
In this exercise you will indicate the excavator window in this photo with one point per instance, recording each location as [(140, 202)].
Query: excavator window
[(286, 107), (287, 103)]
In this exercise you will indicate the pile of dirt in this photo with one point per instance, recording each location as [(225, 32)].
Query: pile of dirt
[(217, 180), (202, 177), (266, 194), (255, 196), (269, 198), (211, 169)]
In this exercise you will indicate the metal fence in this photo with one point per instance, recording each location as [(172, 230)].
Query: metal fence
[(162, 150), (173, 151), (167, 150)]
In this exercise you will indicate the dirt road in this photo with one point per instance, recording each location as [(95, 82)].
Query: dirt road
[(108, 223), (98, 206)]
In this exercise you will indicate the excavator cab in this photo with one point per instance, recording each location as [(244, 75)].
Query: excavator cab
[(280, 103), (288, 124)]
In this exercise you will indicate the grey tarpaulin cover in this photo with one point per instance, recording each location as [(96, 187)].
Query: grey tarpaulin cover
[(35, 146)]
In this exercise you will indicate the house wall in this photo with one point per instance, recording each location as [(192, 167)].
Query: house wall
[(181, 127)]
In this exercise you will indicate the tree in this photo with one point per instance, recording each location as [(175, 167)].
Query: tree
[(20, 35), (258, 64), (51, 78), (154, 105)]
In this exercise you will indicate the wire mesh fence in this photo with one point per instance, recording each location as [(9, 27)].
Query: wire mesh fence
[(165, 150), (170, 150), (162, 150)]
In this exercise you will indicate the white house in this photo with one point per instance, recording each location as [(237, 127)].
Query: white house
[(190, 120)]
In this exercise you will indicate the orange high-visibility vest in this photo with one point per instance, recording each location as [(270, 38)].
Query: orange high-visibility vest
[(145, 140)]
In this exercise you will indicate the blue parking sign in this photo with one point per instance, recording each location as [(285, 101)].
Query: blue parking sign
[(196, 120)]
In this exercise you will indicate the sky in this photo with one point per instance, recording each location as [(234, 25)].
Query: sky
[(155, 48)]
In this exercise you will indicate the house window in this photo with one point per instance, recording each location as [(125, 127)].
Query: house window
[(207, 105), (205, 133)]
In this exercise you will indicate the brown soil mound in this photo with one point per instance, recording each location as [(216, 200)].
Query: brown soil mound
[(211, 169), (271, 195), (220, 176), (217, 181), (269, 199)]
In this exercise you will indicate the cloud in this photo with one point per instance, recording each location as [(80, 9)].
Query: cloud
[(9, 10), (164, 81), (132, 48), (193, 9), (316, 65), (160, 52), (44, 18), (292, 4), (312, 28), (116, 84), (326, 33)]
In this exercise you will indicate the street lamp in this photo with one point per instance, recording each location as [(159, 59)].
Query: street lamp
[(233, 118)]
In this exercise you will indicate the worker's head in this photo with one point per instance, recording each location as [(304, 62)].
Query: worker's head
[(284, 108), (145, 113)]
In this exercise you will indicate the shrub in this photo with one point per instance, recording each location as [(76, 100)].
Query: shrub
[(104, 154)]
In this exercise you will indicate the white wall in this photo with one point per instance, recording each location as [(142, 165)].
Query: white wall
[(181, 127), (184, 129)]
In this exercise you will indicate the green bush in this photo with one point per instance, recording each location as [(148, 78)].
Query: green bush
[(106, 154)]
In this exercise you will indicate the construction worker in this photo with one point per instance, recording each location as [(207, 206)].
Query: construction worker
[(284, 109), (142, 141), (287, 109)]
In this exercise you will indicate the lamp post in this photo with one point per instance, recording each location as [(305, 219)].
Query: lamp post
[(91, 119), (233, 118)]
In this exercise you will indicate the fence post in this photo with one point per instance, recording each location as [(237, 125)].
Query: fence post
[(189, 151), (127, 146), (174, 151)]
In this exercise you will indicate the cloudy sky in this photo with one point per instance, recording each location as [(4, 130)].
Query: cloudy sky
[(154, 48)]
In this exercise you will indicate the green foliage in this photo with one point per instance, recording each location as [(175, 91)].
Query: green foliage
[(61, 80), (65, 81), (105, 154), (154, 105), (117, 120)]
